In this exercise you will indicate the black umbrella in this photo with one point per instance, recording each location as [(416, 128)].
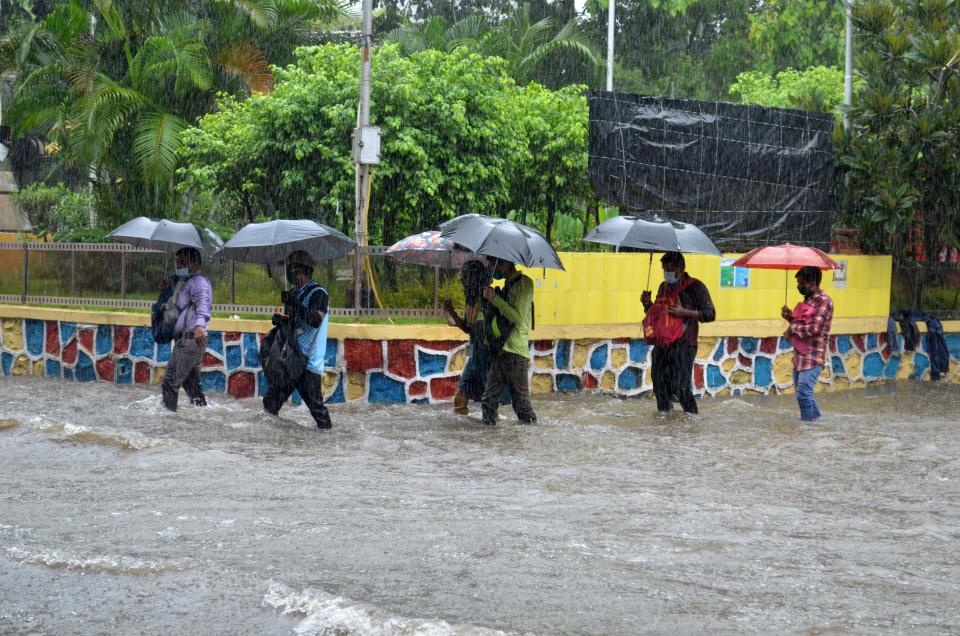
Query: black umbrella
[(274, 241), (166, 236), (503, 239)]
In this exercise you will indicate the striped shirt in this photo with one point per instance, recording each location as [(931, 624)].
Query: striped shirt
[(816, 332)]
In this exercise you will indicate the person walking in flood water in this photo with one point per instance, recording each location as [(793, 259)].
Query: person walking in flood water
[(306, 305), (686, 298), (194, 302), (507, 320), (809, 333)]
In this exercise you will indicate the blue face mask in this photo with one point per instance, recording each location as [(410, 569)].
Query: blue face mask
[(182, 272), (670, 277)]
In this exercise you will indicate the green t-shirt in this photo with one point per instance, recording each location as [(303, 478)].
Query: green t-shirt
[(518, 309)]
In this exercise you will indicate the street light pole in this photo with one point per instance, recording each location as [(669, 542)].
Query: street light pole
[(362, 168), (611, 30), (848, 65)]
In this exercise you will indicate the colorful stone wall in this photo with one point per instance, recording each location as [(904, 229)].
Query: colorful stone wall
[(425, 371)]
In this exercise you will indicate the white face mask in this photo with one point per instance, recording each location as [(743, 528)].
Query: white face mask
[(182, 272), (670, 277)]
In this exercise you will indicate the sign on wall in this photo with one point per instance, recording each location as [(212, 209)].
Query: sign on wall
[(731, 276)]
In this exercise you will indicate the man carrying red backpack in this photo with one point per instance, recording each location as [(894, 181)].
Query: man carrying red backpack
[(672, 327)]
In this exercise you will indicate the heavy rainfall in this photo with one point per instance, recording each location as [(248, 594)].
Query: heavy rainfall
[(491, 317)]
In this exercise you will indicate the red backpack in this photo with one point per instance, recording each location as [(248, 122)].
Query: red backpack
[(660, 329)]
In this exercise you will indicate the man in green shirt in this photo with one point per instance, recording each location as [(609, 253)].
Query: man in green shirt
[(511, 364)]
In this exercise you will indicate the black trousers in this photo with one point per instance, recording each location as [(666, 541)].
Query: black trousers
[(310, 387), (508, 370), (183, 369), (672, 370)]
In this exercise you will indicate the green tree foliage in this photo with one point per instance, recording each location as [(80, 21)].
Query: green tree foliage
[(901, 152), (459, 136), (788, 34), (818, 88)]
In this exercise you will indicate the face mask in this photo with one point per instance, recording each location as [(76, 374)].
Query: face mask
[(182, 272), (670, 277), (804, 291)]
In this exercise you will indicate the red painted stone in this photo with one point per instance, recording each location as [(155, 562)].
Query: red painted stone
[(401, 359), (444, 388), (590, 382), (859, 343), (231, 336), (885, 352), (733, 343), (769, 345), (69, 355), (242, 384), (86, 340), (833, 344), (745, 362), (543, 345), (441, 345), (141, 372), (621, 341), (698, 376), (883, 340), (417, 389), (105, 369), (121, 339), (53, 337), (362, 355), (210, 360)]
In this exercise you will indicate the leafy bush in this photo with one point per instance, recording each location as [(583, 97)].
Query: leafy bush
[(59, 212)]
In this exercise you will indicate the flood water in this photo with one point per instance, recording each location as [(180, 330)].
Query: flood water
[(117, 517)]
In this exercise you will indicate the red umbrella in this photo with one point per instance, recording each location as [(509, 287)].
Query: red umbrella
[(786, 257)]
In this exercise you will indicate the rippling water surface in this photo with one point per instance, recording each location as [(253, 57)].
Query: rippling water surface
[(117, 517)]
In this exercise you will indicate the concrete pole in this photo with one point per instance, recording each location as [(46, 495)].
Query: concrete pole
[(848, 65), (611, 30), (363, 170)]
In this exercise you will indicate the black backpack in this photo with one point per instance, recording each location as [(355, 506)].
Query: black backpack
[(281, 358), (164, 314)]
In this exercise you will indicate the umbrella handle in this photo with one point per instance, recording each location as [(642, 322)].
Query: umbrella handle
[(649, 270)]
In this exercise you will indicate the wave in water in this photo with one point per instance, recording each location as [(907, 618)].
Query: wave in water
[(73, 433), (111, 564), (328, 615)]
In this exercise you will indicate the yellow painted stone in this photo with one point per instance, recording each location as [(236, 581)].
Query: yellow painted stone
[(705, 348), (21, 366), (783, 369), (329, 383), (37, 367), (581, 351), (906, 365), (157, 377), (541, 383), (457, 361), (543, 362), (608, 381), (356, 386), (841, 384), (853, 364), (787, 390), (7, 424), (724, 392), (13, 334), (618, 358), (822, 387), (728, 365), (741, 377)]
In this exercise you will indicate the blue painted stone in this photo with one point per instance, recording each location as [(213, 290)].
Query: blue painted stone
[(568, 383), (893, 365), (295, 398), (836, 363), (215, 342), (785, 345), (262, 384), (338, 396), (141, 343), (84, 370), (7, 362), (639, 351), (420, 401), (843, 344), (35, 336), (748, 345), (920, 365), (721, 348), (872, 341), (163, 352), (67, 330), (384, 389), (67, 373), (762, 371), (251, 351), (213, 381), (52, 369), (104, 342), (736, 392), (872, 365), (429, 364), (953, 345), (563, 354), (925, 343), (598, 359), (715, 378), (330, 356), (630, 378), (123, 372), (234, 357)]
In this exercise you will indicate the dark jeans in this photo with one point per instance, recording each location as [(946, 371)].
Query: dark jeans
[(672, 370), (310, 387), (183, 369), (508, 370)]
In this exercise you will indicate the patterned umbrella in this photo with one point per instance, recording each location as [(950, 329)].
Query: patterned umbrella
[(428, 248)]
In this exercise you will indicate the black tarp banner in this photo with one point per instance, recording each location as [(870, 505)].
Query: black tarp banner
[(746, 175)]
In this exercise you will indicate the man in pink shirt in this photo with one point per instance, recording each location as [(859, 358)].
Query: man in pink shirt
[(194, 301)]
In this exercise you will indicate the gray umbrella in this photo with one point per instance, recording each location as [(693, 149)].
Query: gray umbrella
[(273, 241), (654, 235), (166, 236), (503, 239)]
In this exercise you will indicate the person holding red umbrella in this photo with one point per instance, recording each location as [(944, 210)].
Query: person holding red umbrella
[(809, 333)]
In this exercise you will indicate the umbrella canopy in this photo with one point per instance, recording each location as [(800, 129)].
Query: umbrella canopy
[(786, 256), (654, 235), (273, 241), (428, 248), (503, 239), (166, 236)]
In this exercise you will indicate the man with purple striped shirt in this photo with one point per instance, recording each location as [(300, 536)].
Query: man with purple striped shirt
[(195, 301)]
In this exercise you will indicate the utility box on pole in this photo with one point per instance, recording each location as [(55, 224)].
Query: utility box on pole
[(366, 145)]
